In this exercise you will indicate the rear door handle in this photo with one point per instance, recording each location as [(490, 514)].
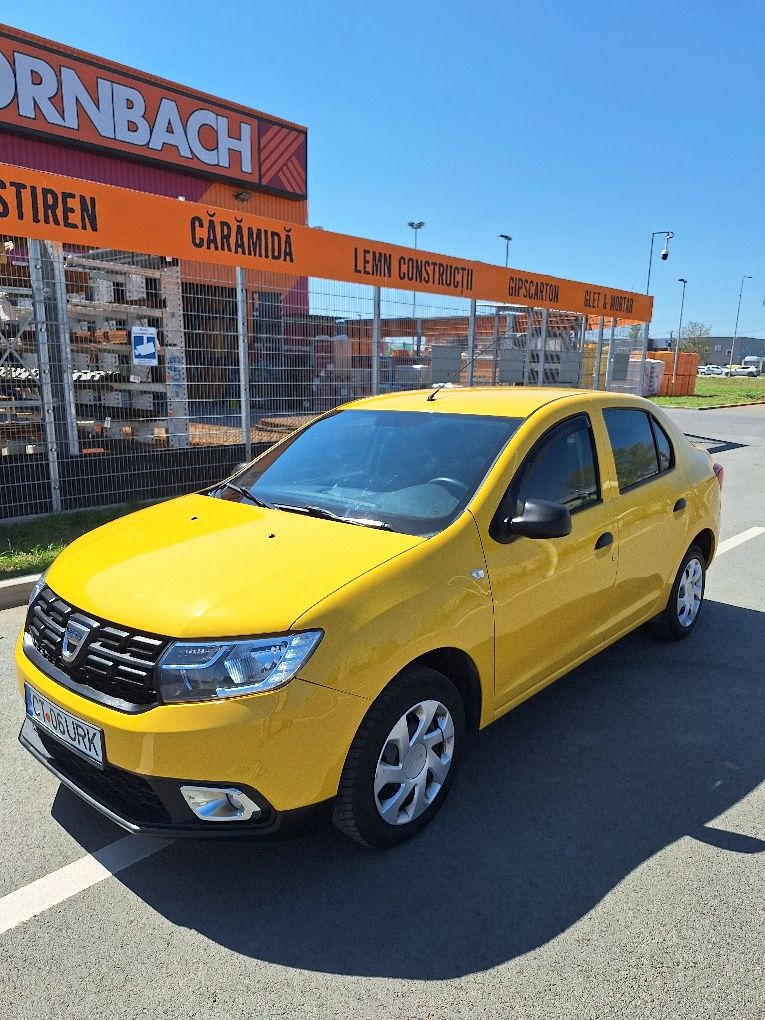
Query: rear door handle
[(680, 505), (605, 539)]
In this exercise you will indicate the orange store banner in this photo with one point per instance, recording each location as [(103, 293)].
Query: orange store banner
[(55, 91), (49, 207)]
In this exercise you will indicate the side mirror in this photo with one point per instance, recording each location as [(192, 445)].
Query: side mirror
[(540, 518)]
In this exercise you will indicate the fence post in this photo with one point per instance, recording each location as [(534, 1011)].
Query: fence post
[(543, 347), (178, 425), (55, 258), (244, 362), (643, 356), (43, 364), (598, 353), (529, 339), (611, 345), (495, 348), (471, 342), (376, 331)]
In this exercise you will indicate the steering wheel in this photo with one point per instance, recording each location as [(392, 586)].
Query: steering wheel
[(450, 484)]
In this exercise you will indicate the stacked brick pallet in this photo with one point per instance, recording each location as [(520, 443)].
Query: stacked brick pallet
[(685, 377)]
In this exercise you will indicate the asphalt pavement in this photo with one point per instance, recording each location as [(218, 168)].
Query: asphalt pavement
[(602, 854)]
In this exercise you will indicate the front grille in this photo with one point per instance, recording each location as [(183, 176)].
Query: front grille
[(113, 661), (128, 795)]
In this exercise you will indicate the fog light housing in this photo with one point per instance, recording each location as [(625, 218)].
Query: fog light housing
[(220, 803)]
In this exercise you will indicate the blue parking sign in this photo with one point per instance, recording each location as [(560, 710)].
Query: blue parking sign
[(145, 350)]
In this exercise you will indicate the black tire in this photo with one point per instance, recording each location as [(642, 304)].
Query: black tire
[(356, 812), (669, 624)]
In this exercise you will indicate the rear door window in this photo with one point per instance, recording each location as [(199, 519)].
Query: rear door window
[(633, 445)]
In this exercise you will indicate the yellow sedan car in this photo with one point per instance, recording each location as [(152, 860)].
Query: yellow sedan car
[(316, 634)]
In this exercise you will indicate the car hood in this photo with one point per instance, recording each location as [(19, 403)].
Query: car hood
[(203, 567)]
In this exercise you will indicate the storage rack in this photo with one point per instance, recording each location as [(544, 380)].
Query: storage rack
[(112, 401), (20, 413), (126, 401)]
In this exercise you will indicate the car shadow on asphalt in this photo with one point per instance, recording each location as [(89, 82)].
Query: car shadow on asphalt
[(558, 802)]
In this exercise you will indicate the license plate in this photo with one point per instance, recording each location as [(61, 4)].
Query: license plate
[(70, 730)]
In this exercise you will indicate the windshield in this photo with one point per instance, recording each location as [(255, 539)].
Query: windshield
[(408, 471)]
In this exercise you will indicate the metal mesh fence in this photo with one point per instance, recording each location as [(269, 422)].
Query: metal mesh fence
[(134, 377), (613, 358)]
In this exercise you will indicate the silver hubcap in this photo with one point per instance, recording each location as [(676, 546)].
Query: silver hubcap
[(690, 592), (414, 762)]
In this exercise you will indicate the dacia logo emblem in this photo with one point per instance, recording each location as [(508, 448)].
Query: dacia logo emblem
[(74, 637)]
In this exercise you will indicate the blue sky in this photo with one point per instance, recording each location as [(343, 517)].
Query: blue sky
[(578, 128)]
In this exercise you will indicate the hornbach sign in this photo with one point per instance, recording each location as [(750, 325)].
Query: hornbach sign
[(52, 90), (48, 207)]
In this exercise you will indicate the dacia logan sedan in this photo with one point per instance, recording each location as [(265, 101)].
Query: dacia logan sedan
[(318, 632)]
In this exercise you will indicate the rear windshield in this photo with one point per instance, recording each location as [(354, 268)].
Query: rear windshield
[(409, 471)]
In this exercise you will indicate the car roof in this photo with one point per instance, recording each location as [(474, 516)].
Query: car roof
[(500, 401)]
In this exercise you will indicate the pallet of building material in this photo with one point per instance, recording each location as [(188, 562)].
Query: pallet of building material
[(116, 398), (203, 434), (284, 425), (80, 360), (85, 397), (147, 434), (108, 361), (141, 404), (19, 449), (140, 372), (20, 432)]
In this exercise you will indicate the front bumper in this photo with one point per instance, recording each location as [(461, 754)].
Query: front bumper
[(287, 748), (152, 805)]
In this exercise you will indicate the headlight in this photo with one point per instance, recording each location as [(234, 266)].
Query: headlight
[(38, 587), (204, 670)]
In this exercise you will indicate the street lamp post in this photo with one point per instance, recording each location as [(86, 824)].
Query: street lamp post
[(507, 239), (735, 330), (416, 225), (682, 280), (668, 235)]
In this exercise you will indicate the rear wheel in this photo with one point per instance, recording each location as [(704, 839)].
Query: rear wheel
[(402, 761), (686, 598)]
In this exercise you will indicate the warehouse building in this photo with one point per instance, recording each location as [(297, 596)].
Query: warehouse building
[(720, 348)]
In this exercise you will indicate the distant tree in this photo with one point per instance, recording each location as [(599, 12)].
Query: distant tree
[(694, 338), (635, 330)]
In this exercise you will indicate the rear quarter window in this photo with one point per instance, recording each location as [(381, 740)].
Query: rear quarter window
[(663, 446)]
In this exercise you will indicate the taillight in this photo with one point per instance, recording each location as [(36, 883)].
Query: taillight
[(719, 471)]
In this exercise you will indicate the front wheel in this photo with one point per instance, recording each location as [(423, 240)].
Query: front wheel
[(684, 606), (402, 761)]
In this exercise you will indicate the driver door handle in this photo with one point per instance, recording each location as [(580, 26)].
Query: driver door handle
[(605, 539)]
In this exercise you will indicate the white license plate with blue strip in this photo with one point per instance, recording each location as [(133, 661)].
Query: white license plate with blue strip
[(67, 728)]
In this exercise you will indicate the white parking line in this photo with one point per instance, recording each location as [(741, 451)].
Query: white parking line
[(744, 536), (33, 899)]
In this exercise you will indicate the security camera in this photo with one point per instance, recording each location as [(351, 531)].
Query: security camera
[(665, 254)]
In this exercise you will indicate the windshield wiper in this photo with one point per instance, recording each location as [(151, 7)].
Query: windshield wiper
[(327, 515), (244, 492)]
